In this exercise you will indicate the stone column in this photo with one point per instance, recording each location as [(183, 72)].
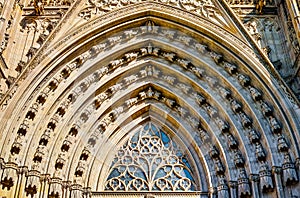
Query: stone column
[(213, 192), (233, 188), (22, 172), (297, 166), (76, 191), (66, 189), (88, 193), (55, 187), (254, 178), (277, 175), (44, 179)]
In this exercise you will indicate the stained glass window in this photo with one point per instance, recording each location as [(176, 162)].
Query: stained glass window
[(150, 161)]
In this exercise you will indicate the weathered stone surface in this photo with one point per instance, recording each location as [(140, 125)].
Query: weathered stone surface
[(149, 98)]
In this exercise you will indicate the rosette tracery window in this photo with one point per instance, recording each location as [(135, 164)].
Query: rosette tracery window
[(150, 161)]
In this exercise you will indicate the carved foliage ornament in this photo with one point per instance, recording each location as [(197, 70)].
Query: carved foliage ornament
[(100, 7), (150, 161)]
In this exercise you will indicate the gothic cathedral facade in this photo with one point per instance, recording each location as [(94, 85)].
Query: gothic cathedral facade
[(149, 98)]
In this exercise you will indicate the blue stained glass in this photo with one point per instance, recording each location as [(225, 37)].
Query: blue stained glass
[(179, 154), (188, 174), (139, 173), (114, 173), (160, 173), (165, 138), (146, 127), (185, 161), (154, 129), (127, 178), (133, 145), (135, 138)]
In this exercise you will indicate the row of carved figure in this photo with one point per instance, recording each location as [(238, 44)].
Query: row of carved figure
[(203, 8), (150, 50), (243, 181), (251, 2), (39, 3), (119, 61), (168, 55), (169, 102)]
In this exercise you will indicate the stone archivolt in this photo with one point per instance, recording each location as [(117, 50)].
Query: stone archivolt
[(221, 112)]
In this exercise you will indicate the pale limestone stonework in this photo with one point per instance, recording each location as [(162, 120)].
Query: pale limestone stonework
[(149, 98)]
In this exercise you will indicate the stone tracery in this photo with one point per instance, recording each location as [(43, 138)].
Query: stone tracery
[(150, 161)]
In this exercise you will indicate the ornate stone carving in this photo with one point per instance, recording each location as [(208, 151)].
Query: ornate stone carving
[(169, 101), (40, 152), (199, 99), (169, 56), (244, 80), (214, 153), (240, 2), (203, 8), (260, 153), (169, 79), (230, 68), (266, 109), (232, 143), (281, 144), (185, 39), (236, 106), (275, 126), (223, 126), (222, 187), (169, 33), (256, 95), (32, 184), (203, 135), (16, 147), (243, 184), (238, 159), (253, 136), (288, 170), (219, 167), (8, 178), (184, 63), (198, 72), (193, 121), (52, 2), (218, 58), (212, 112), (246, 122), (38, 7), (55, 189), (225, 93), (201, 48), (260, 5), (266, 183), (23, 127)]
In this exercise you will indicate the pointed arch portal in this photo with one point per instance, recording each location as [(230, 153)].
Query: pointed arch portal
[(140, 81)]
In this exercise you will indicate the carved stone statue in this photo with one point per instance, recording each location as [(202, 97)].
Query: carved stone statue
[(38, 7), (259, 5)]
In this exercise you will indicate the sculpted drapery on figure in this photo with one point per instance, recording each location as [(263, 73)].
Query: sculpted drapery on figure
[(38, 7)]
